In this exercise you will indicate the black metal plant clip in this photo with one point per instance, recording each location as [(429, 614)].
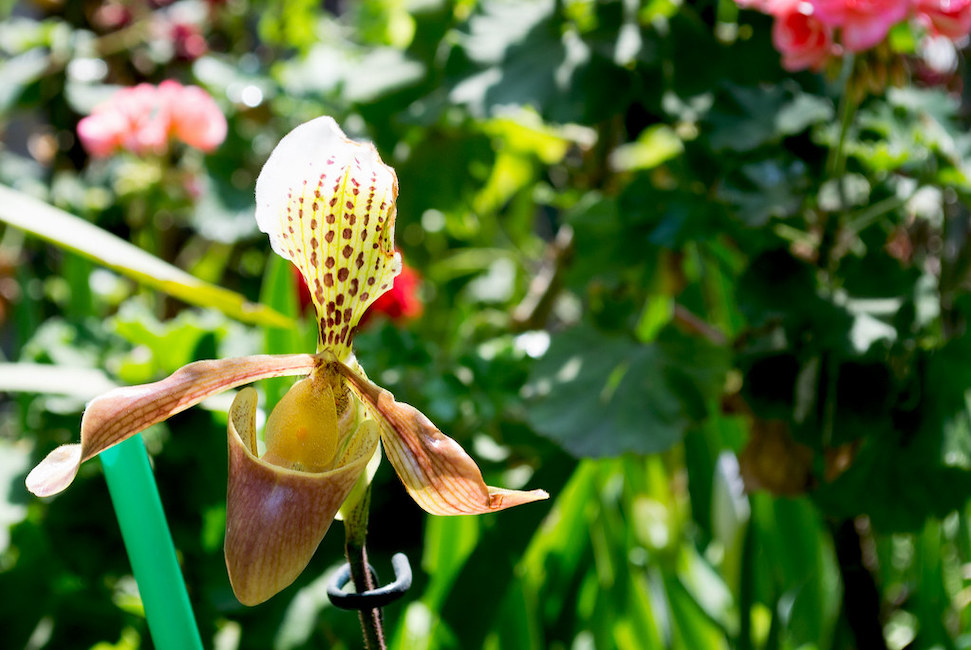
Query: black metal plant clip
[(373, 598)]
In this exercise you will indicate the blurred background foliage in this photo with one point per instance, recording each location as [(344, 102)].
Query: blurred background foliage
[(718, 310)]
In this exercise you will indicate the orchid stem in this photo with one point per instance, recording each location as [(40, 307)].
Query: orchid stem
[(145, 531), (355, 529)]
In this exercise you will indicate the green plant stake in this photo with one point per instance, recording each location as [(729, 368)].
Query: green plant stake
[(149, 545)]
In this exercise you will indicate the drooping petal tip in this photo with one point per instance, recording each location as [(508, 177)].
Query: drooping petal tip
[(122, 412), (438, 474), (501, 498), (55, 472)]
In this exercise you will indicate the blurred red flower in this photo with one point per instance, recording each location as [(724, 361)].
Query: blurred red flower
[(950, 18), (803, 40), (400, 303), (188, 41)]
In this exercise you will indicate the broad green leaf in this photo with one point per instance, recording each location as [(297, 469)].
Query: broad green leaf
[(913, 464), (87, 240), (600, 395), (766, 189), (898, 481), (525, 54), (745, 118)]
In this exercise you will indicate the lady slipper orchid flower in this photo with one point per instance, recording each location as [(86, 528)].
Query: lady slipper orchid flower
[(328, 205)]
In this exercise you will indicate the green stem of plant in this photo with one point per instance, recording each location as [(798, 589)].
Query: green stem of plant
[(836, 161), (355, 530), (149, 545)]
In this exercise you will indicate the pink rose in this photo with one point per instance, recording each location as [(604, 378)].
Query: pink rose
[(804, 41), (862, 23), (950, 18)]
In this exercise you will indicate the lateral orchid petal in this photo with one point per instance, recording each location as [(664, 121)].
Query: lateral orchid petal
[(438, 474), (121, 413), (275, 516), (328, 205)]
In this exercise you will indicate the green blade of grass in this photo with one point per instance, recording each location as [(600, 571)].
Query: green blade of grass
[(87, 240)]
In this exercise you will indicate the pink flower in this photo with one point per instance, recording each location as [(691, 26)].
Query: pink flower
[(129, 120), (100, 134), (142, 119), (862, 23), (950, 18), (803, 40), (194, 117)]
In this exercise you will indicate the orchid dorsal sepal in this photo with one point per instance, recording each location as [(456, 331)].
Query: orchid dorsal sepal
[(328, 205), (122, 412), (438, 474)]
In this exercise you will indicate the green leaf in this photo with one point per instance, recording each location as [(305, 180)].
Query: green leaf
[(171, 344), (690, 626), (802, 112), (527, 55), (600, 395), (745, 118), (914, 462), (87, 240), (19, 72), (491, 567), (766, 189), (898, 484), (82, 383), (654, 146), (289, 24), (793, 547)]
